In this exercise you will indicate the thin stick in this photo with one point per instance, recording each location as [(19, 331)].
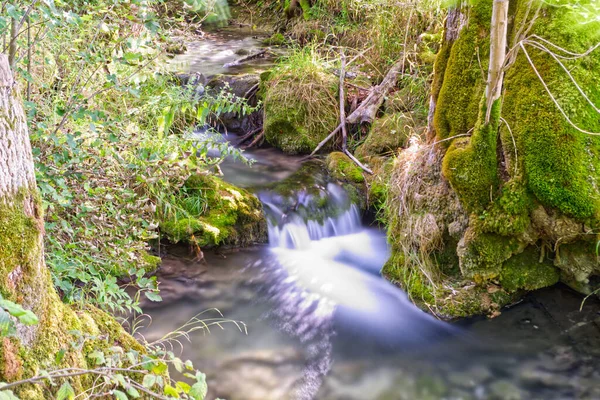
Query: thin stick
[(363, 167), (28, 60), (343, 103), (256, 140), (324, 141)]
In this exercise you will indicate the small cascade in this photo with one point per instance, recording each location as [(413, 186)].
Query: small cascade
[(309, 218)]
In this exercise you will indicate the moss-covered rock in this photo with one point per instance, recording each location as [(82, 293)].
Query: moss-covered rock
[(342, 169), (470, 164), (530, 183), (481, 255), (528, 270), (300, 104), (461, 65), (388, 134), (577, 262), (211, 212)]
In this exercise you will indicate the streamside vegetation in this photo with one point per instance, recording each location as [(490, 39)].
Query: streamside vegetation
[(471, 128), (96, 160), (482, 156)]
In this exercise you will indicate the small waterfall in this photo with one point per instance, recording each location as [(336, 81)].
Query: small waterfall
[(308, 218)]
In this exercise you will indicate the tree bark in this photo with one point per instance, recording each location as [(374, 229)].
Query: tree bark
[(23, 273), (498, 33)]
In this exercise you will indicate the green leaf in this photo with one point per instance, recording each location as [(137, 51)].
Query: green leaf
[(171, 391), (65, 392), (159, 368), (119, 395), (153, 296), (7, 326), (183, 387), (98, 356), (60, 355), (149, 381), (200, 388), (131, 391), (8, 395), (178, 364)]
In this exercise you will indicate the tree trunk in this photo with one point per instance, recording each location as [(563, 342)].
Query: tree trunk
[(454, 23), (24, 278), (498, 39), (22, 271)]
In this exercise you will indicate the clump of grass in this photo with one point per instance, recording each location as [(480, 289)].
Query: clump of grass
[(300, 101)]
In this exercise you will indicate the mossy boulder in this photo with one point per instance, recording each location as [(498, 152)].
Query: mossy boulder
[(211, 212), (529, 270), (527, 182), (276, 39), (388, 134), (352, 178), (300, 104)]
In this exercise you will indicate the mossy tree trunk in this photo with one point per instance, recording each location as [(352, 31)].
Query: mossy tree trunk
[(24, 278), (23, 275)]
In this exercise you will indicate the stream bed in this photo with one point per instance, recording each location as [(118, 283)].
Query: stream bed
[(319, 322)]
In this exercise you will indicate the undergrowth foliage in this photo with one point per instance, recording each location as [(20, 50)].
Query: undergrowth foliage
[(109, 131)]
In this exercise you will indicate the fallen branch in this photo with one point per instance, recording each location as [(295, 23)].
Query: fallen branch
[(257, 139), (246, 59), (248, 135), (363, 167), (367, 110), (252, 91), (343, 103)]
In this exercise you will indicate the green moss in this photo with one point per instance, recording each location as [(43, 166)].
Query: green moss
[(526, 271), (463, 83), (482, 254), (342, 168), (388, 134), (300, 103), (149, 262), (509, 214), (470, 164), (415, 284), (20, 244), (560, 164), (211, 212), (350, 175)]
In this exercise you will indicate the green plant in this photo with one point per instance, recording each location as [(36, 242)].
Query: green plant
[(9, 308), (127, 373)]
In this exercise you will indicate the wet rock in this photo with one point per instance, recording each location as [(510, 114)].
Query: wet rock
[(271, 374), (471, 378), (504, 390), (239, 86), (227, 215)]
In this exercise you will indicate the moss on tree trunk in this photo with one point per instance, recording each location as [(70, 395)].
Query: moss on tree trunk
[(24, 278)]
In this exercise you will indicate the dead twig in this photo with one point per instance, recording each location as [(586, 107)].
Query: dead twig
[(246, 59)]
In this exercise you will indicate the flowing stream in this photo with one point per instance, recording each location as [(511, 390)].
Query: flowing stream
[(321, 323)]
